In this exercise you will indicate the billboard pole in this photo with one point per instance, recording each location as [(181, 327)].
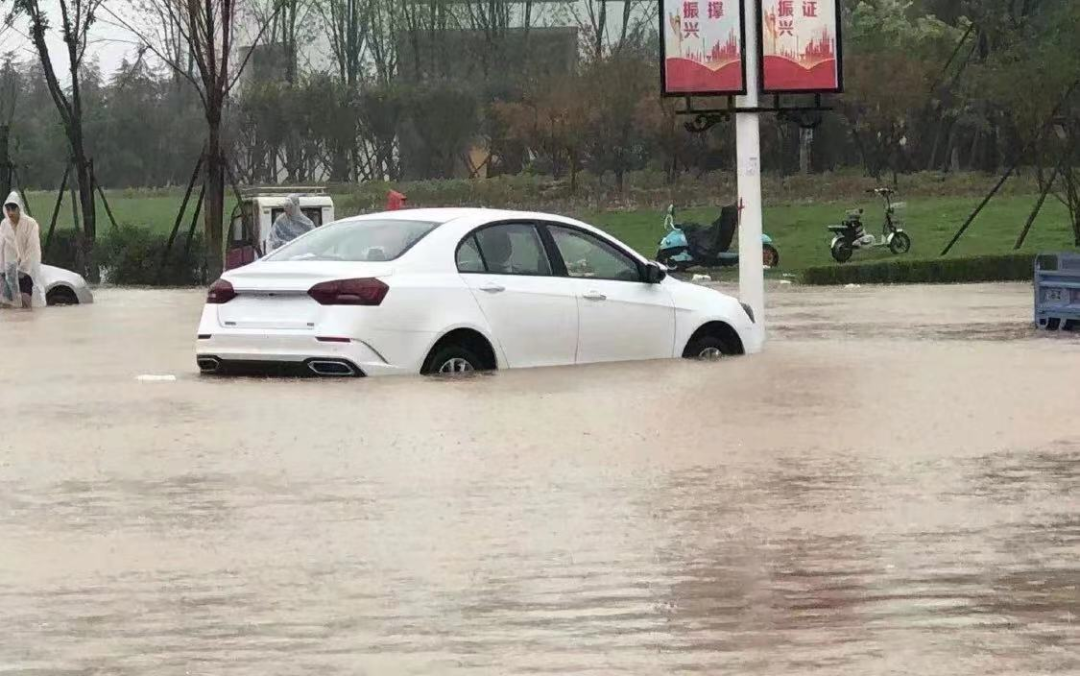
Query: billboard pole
[(701, 57), (748, 160)]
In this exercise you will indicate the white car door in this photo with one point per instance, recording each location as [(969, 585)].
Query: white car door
[(620, 317), (532, 313)]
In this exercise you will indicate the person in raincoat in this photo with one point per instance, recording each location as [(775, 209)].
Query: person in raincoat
[(289, 225), (20, 257)]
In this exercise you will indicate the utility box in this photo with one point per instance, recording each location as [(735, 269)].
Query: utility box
[(1057, 291)]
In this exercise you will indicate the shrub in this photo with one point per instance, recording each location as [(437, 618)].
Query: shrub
[(61, 249), (1004, 268), (132, 256)]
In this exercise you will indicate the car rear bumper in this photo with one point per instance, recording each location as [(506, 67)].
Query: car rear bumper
[(290, 355)]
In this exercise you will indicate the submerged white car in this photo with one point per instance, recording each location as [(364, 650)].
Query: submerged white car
[(439, 291), (63, 287)]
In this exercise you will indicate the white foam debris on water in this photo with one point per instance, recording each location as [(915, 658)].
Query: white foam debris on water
[(150, 378), (701, 278)]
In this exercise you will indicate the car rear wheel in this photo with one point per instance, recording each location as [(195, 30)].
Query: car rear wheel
[(453, 360)]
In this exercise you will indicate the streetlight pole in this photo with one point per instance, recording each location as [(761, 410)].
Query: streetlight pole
[(748, 159)]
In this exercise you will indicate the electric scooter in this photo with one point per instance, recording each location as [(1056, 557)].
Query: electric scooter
[(687, 245), (850, 235)]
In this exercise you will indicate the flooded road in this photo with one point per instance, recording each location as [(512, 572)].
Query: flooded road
[(893, 487)]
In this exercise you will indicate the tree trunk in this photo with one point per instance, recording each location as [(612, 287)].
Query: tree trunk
[(5, 160), (214, 197), (339, 165), (81, 263), (599, 26), (806, 139), (84, 180), (870, 163)]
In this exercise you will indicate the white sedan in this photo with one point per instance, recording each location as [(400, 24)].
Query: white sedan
[(440, 291), (63, 287)]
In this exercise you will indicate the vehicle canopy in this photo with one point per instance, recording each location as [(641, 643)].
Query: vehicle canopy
[(259, 207)]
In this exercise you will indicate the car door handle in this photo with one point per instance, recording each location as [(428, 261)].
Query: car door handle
[(492, 288), (594, 295)]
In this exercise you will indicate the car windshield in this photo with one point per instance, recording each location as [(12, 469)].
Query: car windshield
[(363, 240)]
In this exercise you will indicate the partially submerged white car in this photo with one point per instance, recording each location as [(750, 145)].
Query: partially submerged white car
[(63, 287), (438, 291)]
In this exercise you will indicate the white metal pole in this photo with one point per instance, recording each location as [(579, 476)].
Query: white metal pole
[(748, 159)]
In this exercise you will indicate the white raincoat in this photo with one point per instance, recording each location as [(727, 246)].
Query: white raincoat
[(289, 225), (20, 252)]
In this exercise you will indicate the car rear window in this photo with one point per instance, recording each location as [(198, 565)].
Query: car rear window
[(364, 240)]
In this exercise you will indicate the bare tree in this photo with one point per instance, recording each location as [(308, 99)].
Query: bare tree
[(593, 18), (9, 91), (385, 19), (286, 22), (349, 22), (491, 20), (76, 18), (207, 29)]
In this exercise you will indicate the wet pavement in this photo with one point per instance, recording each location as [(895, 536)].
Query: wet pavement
[(893, 487)]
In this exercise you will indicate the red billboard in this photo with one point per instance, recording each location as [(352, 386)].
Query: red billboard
[(702, 43), (800, 46)]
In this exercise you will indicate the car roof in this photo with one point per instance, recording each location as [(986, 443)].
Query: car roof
[(471, 217), (462, 219), (443, 215)]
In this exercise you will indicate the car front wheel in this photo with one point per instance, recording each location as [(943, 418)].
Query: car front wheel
[(708, 348), (61, 295)]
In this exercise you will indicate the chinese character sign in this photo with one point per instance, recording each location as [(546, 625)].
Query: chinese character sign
[(703, 47), (800, 46)]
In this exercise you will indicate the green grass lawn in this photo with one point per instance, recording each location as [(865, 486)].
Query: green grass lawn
[(801, 235), (799, 230)]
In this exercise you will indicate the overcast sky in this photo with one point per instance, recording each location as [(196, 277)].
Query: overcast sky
[(111, 43)]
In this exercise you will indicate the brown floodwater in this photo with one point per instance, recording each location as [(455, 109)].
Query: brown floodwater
[(892, 487)]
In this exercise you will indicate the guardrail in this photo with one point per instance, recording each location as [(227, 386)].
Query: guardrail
[(1057, 291)]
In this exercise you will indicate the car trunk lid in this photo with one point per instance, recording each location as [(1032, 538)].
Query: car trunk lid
[(274, 296)]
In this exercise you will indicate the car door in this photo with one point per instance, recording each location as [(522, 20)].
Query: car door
[(532, 313), (241, 249), (620, 316)]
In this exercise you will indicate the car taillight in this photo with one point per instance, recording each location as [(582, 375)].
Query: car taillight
[(220, 292), (349, 292)]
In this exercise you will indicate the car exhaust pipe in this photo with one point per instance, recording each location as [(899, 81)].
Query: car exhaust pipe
[(332, 368), (208, 364)]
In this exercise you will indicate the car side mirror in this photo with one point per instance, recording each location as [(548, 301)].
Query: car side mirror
[(654, 273)]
